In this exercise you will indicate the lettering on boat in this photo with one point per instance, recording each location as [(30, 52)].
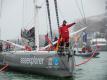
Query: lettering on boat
[(53, 62), (32, 60), (50, 61), (56, 61)]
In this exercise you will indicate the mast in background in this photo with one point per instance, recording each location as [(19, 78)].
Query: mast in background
[(36, 8), (106, 8), (106, 19), (0, 15)]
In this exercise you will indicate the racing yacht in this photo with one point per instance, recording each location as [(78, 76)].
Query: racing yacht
[(39, 61)]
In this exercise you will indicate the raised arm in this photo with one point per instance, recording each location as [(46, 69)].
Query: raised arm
[(69, 25)]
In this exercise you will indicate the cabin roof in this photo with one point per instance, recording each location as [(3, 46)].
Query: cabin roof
[(99, 40)]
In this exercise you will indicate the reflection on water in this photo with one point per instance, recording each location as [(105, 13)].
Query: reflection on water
[(96, 69), (18, 76)]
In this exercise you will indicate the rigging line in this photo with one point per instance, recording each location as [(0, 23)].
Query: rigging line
[(49, 18), (1, 7), (62, 16), (83, 11), (76, 2), (47, 25), (56, 10), (42, 3), (82, 24), (23, 13), (29, 22), (0, 15)]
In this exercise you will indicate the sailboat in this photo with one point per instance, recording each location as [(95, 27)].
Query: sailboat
[(86, 50), (39, 61)]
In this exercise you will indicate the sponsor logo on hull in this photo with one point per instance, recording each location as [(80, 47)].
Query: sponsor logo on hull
[(32, 60)]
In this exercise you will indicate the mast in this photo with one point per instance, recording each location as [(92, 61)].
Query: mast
[(35, 24), (49, 18), (56, 10)]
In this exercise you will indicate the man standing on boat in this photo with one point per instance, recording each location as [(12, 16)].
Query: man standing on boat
[(64, 33)]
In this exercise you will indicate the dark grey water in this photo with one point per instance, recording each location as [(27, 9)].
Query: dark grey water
[(96, 69)]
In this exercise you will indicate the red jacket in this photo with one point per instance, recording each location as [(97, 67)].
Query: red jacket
[(64, 32)]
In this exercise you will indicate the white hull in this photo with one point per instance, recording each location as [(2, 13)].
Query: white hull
[(42, 62)]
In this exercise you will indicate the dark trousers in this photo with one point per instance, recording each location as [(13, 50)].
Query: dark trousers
[(66, 44)]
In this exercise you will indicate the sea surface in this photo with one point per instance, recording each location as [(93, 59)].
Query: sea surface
[(95, 69)]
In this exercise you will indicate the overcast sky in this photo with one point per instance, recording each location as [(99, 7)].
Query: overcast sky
[(16, 14)]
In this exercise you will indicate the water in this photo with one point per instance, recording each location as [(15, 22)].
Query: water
[(96, 69)]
